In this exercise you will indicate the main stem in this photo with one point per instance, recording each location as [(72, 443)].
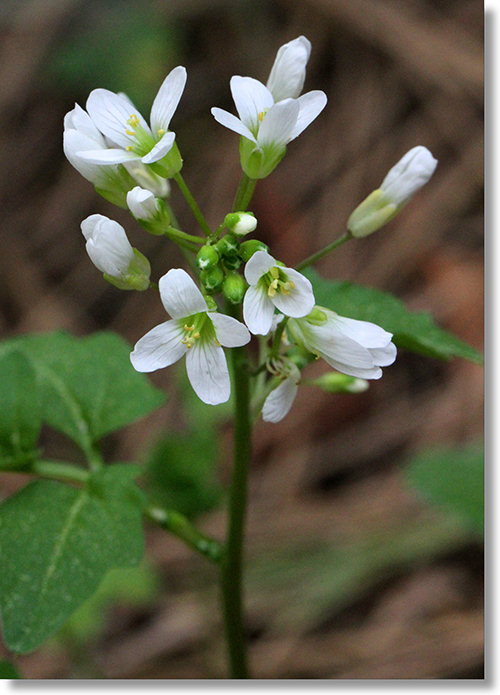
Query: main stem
[(232, 562)]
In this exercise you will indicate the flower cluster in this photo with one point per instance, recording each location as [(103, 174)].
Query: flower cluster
[(130, 163)]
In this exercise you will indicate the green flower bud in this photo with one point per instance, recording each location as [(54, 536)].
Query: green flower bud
[(207, 257), (240, 223), (234, 288), (232, 261), (228, 245), (371, 214), (212, 278), (248, 248)]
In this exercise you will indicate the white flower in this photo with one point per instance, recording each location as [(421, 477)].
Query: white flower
[(409, 175), (280, 399), (270, 117), (194, 331), (110, 251), (356, 348), (133, 139), (142, 203), (288, 73), (273, 285), (80, 135), (240, 223), (401, 183)]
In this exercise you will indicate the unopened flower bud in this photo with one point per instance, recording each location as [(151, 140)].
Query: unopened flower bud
[(335, 382), (401, 183), (240, 223), (207, 257), (232, 261), (142, 203), (110, 251), (228, 245), (248, 248), (212, 278), (234, 288)]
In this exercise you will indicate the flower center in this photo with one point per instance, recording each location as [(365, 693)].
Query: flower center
[(144, 141), (277, 282), (197, 327)]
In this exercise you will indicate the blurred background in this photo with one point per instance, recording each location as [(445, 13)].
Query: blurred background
[(360, 563)]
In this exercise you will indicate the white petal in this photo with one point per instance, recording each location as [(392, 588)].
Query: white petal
[(180, 296), (78, 119), (160, 150), (311, 105), (363, 332), (110, 112), (208, 373), (384, 356), (279, 124), (159, 348), (409, 174), (167, 99), (332, 344), (257, 266), (75, 142), (229, 331), (258, 311), (107, 245), (229, 121), (287, 75), (300, 301), (109, 156), (142, 203), (279, 401), (360, 372), (251, 98)]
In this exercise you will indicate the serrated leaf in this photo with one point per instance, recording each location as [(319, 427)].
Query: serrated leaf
[(414, 331), (57, 542), (89, 387), (19, 410), (452, 479)]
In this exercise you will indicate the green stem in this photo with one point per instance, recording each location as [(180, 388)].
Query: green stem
[(192, 203), (323, 252), (232, 572), (244, 193), (58, 471), (176, 523), (180, 236)]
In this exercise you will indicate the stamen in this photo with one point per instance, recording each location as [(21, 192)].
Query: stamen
[(130, 132), (188, 328), (129, 148), (261, 116), (133, 120), (161, 131)]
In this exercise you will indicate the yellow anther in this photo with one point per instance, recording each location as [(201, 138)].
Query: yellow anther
[(130, 132), (291, 285), (271, 291), (217, 342), (275, 273), (129, 148), (261, 116), (133, 120), (188, 328), (196, 335), (161, 131)]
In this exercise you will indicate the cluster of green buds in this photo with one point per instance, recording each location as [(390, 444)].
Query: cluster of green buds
[(220, 260)]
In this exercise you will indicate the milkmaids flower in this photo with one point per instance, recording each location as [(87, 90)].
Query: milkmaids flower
[(281, 398), (195, 331), (271, 116), (401, 183), (132, 138), (80, 135), (356, 348), (273, 285), (111, 252)]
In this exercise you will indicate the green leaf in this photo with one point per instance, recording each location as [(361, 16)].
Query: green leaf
[(414, 331), (89, 387), (8, 671), (57, 542), (180, 472), (452, 479), (19, 410)]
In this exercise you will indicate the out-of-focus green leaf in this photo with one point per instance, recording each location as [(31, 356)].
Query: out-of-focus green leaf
[(89, 387), (57, 542), (452, 479), (414, 331), (20, 419), (8, 671)]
